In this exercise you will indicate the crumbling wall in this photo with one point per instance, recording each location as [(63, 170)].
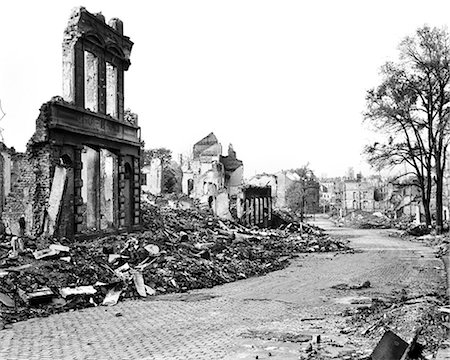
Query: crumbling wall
[(153, 174), (30, 181), (235, 180), (82, 195), (5, 173), (256, 206), (19, 200), (222, 205)]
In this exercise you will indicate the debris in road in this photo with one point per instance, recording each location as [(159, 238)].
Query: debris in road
[(59, 248), (418, 230), (365, 220), (17, 246), (80, 290), (40, 296), (152, 249), (6, 300), (180, 250), (150, 291), (278, 336), (112, 296), (312, 319), (390, 347), (366, 284), (114, 257), (45, 253), (139, 283)]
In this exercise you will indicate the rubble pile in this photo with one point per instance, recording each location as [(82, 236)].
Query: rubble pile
[(407, 316), (180, 249), (366, 220)]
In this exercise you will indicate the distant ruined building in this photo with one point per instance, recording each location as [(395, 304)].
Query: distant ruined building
[(81, 171), (211, 178)]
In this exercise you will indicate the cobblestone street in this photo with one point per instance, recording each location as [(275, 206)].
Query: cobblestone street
[(226, 322)]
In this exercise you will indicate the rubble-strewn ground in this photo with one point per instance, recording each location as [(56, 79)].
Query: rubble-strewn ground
[(349, 299), (365, 220), (179, 251)]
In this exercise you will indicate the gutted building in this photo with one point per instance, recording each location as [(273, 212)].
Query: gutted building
[(81, 172), (256, 206), (211, 178)]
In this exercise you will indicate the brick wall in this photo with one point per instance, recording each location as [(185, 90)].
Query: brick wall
[(19, 201), (31, 176)]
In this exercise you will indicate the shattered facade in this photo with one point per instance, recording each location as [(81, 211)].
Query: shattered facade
[(211, 178), (371, 194), (256, 206), (280, 183), (81, 171), (153, 177)]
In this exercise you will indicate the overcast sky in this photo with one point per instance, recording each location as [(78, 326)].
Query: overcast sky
[(283, 81)]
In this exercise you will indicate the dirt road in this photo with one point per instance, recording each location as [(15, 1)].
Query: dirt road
[(274, 316)]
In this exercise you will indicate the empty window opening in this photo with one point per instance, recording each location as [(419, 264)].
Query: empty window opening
[(65, 161), (111, 90), (107, 169), (89, 190), (128, 193), (190, 184), (144, 179), (256, 210), (127, 171), (90, 81)]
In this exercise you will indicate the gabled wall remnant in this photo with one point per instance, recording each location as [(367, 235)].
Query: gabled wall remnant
[(212, 178), (85, 133)]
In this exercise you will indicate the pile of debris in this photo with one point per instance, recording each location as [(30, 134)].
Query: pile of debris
[(418, 320), (366, 220), (180, 249)]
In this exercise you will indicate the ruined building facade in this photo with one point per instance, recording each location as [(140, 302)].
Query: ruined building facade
[(81, 172), (213, 179)]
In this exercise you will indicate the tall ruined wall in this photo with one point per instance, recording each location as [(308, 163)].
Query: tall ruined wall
[(19, 201), (89, 117), (43, 157), (31, 180)]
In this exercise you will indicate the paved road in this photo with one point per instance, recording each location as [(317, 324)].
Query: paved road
[(241, 320)]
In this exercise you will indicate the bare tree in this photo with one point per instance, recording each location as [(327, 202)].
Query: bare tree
[(411, 107)]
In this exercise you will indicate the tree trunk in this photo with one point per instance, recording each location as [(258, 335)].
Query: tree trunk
[(426, 206), (302, 209), (426, 192), (439, 203)]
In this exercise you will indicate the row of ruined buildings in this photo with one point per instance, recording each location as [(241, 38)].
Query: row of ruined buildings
[(217, 181), (396, 198), (81, 173)]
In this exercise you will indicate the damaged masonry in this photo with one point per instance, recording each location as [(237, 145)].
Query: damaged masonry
[(81, 171)]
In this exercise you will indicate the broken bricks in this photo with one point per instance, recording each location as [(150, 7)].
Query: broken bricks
[(39, 296), (80, 290), (180, 250), (52, 250)]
